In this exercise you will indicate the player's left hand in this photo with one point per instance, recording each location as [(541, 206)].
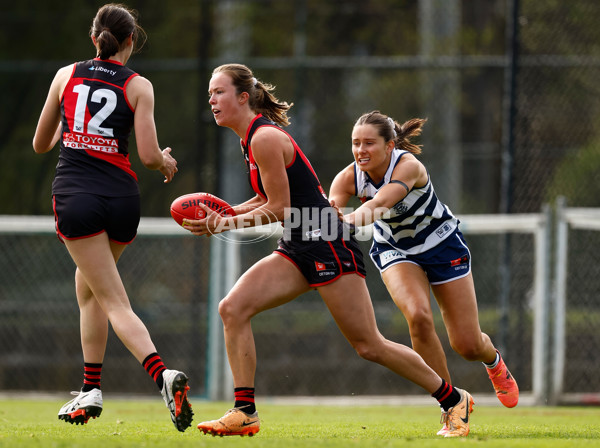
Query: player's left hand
[(209, 225)]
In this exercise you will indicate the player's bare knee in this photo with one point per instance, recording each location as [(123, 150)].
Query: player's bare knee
[(366, 351), (421, 325), (231, 312), (467, 349), (226, 310), (419, 315)]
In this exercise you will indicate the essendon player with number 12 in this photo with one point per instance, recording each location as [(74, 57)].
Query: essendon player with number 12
[(92, 107)]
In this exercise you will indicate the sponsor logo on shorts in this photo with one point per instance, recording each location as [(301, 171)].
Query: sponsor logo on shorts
[(462, 260), (460, 264), (320, 266), (390, 255), (324, 269)]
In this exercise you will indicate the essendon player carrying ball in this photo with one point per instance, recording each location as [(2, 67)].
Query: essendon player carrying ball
[(315, 253)]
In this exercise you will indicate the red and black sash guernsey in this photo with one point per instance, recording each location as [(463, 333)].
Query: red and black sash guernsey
[(305, 189), (96, 124)]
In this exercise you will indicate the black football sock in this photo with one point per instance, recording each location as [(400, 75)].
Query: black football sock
[(155, 367), (446, 395), (244, 399), (91, 376)]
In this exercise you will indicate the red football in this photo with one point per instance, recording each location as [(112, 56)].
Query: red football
[(186, 206)]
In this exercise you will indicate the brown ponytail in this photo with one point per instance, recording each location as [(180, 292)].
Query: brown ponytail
[(261, 100), (112, 25), (389, 129)]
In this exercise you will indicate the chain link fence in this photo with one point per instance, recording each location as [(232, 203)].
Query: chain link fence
[(576, 305), (168, 278), (583, 313), (510, 91), (508, 86)]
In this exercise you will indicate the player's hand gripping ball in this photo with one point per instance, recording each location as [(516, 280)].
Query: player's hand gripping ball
[(186, 206)]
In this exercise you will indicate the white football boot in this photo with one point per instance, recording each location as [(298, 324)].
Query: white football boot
[(80, 409), (174, 392)]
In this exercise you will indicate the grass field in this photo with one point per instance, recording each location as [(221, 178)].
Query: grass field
[(145, 423)]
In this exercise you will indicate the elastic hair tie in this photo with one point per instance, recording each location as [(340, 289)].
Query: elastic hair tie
[(393, 125), (254, 81)]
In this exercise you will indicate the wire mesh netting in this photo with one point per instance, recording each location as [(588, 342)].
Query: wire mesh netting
[(582, 313), (509, 98), (512, 106), (41, 348), (300, 349)]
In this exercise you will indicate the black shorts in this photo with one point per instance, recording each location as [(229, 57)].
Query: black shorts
[(85, 215), (325, 261)]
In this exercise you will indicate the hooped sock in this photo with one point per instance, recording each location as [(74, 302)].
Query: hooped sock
[(92, 373), (495, 363), (244, 399), (155, 367), (446, 395)]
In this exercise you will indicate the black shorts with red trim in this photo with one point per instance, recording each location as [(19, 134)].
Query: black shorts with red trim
[(324, 262), (84, 215)]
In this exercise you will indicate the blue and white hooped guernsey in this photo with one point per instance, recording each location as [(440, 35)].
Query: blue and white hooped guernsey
[(415, 224)]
